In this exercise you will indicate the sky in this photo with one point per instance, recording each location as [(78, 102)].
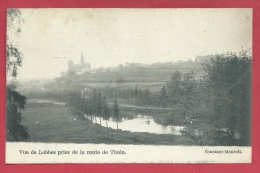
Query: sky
[(49, 38)]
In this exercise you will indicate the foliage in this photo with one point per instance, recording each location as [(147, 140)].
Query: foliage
[(227, 84), (116, 116), (174, 88), (105, 110), (163, 97), (13, 55), (230, 78), (15, 101), (216, 107)]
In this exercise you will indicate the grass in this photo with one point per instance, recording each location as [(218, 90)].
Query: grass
[(54, 123), (137, 111)]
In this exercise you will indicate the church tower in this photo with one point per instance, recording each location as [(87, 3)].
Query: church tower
[(80, 68), (82, 61)]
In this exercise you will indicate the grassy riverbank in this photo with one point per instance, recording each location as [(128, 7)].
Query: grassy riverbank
[(55, 123)]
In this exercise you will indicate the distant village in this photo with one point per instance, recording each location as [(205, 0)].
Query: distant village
[(84, 67)]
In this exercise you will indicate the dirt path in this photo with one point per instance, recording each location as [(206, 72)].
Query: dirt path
[(142, 107)]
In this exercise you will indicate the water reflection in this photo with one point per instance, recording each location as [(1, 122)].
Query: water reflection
[(142, 123)]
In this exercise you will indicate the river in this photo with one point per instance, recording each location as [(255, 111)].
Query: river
[(141, 123)]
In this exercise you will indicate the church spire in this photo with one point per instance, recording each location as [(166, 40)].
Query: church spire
[(82, 61)]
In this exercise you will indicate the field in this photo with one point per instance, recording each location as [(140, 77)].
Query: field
[(55, 123), (152, 86)]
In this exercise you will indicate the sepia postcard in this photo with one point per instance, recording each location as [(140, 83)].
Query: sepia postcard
[(129, 85)]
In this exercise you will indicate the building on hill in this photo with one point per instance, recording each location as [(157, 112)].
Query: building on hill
[(80, 68), (206, 58)]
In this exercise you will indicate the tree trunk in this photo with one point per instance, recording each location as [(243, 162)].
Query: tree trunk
[(96, 120), (117, 128), (106, 123)]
